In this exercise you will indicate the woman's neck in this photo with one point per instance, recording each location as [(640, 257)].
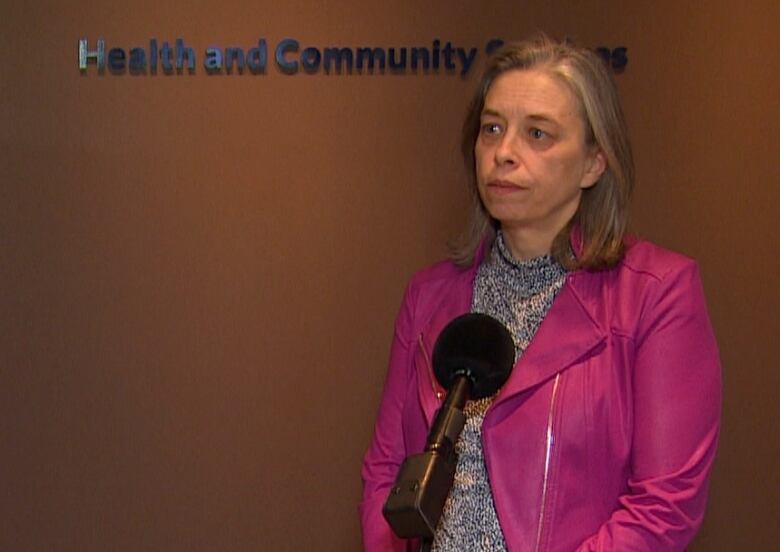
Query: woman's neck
[(526, 243)]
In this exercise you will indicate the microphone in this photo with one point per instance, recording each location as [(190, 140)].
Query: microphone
[(472, 359)]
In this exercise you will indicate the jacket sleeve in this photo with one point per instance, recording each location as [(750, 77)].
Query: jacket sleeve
[(387, 452), (677, 400)]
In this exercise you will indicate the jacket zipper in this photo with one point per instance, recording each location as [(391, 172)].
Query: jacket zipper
[(437, 390), (547, 459)]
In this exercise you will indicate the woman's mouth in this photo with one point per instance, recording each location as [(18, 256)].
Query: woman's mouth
[(503, 187)]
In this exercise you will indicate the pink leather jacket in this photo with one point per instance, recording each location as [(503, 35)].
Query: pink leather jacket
[(604, 436)]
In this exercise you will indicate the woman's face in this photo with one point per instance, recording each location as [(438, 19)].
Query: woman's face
[(532, 160)]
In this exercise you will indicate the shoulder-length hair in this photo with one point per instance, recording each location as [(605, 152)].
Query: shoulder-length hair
[(602, 216)]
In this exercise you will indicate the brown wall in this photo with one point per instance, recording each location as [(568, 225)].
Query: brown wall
[(199, 274)]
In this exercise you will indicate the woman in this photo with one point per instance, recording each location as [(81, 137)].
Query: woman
[(604, 435)]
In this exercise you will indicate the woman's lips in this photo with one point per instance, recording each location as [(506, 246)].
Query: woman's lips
[(504, 187)]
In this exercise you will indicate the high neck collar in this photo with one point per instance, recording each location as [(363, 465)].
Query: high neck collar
[(530, 276)]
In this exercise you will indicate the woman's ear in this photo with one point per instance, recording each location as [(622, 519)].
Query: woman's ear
[(596, 165)]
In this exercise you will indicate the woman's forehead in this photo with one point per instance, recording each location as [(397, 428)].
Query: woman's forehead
[(534, 93)]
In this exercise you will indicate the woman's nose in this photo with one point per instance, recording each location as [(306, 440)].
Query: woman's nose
[(506, 152)]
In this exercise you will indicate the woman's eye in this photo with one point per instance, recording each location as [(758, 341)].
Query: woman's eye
[(537, 134), (491, 128)]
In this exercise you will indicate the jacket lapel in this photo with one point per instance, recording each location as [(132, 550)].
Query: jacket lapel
[(568, 333)]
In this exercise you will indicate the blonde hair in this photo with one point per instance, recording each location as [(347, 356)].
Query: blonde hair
[(602, 215)]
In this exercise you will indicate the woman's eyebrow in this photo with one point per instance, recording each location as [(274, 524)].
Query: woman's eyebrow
[(542, 117), (536, 117), (492, 112)]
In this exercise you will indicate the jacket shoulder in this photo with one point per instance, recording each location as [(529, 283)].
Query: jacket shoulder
[(648, 259), (437, 273), (650, 283), (442, 289), (440, 280)]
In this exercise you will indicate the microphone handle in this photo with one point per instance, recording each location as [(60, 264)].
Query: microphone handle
[(417, 499), (449, 419)]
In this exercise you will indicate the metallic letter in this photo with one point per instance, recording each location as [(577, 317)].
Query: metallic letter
[(493, 45), (255, 57), (98, 56), (310, 59), (181, 52), (286, 45), (336, 56), (116, 60), (370, 55)]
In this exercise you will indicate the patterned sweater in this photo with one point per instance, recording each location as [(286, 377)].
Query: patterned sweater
[(519, 294)]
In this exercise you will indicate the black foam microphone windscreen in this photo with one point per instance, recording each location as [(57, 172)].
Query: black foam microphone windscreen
[(477, 346)]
